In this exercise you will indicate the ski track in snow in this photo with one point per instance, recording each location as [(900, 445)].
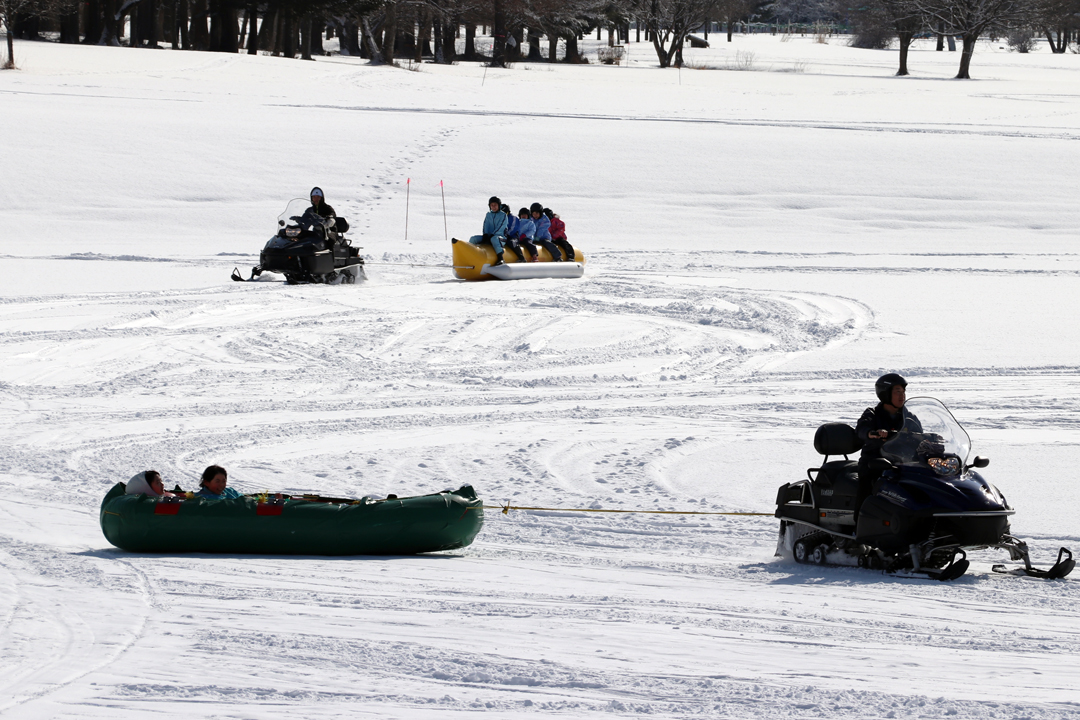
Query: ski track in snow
[(666, 379)]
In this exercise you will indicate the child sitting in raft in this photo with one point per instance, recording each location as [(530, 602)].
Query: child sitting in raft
[(147, 482), (494, 229), (512, 229), (212, 486), (525, 229), (542, 233), (558, 234)]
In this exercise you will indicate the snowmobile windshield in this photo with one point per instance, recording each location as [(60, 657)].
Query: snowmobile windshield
[(930, 437), (294, 212)]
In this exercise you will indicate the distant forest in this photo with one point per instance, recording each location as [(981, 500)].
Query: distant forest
[(384, 31)]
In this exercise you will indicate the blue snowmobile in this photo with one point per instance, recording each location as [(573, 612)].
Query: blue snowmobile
[(923, 514)]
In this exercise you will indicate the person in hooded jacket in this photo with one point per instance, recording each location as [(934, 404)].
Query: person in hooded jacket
[(318, 204), (494, 229), (542, 233), (148, 482), (882, 421), (558, 234)]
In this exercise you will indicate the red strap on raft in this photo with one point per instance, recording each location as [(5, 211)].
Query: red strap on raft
[(166, 508), (269, 508)]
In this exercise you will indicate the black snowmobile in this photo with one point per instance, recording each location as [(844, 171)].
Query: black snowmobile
[(309, 248), (923, 514)]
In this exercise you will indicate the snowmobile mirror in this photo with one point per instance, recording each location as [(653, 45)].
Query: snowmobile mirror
[(281, 223), (880, 464), (979, 462)]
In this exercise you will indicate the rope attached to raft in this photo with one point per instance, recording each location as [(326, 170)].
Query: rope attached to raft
[(508, 507)]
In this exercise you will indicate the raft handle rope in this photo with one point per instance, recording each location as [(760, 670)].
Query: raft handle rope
[(508, 507)]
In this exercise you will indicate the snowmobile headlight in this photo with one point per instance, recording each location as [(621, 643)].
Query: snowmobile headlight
[(944, 466), (292, 232)]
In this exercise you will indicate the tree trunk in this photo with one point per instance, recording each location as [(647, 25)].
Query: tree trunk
[(110, 26), (244, 30), (425, 36), (498, 48), (289, 38), (349, 36), (228, 21), (10, 63), (534, 46), (905, 43), (134, 39), (200, 37), (268, 33), (253, 25), (389, 33), (148, 23), (69, 27), (94, 23), (214, 16), (970, 38), (730, 28), (306, 24), (450, 30), (418, 44), (951, 39), (373, 47), (470, 40), (514, 53), (572, 54), (553, 47)]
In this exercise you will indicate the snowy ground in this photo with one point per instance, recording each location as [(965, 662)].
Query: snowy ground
[(762, 244)]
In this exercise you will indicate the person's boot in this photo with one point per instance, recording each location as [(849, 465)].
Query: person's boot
[(498, 259)]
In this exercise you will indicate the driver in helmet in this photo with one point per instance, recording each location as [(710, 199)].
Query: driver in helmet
[(318, 204), (884, 420)]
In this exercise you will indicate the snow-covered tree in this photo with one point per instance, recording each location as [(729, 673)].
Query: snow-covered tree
[(970, 19), (668, 22)]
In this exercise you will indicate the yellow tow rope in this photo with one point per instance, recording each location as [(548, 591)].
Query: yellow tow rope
[(508, 507)]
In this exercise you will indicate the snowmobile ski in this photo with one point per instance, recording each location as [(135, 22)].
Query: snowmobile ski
[(1060, 569)]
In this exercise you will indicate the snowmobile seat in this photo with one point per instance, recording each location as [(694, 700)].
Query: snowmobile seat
[(841, 476)]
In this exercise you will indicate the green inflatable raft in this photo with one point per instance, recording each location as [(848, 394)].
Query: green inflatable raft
[(292, 526)]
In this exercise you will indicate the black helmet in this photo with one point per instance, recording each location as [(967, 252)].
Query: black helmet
[(884, 385), (549, 212), (496, 200), (536, 208), (505, 208)]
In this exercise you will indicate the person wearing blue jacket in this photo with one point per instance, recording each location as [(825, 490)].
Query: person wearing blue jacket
[(494, 229), (542, 233), (212, 486), (526, 228)]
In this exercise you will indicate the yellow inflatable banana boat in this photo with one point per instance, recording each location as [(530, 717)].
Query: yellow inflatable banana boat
[(474, 262)]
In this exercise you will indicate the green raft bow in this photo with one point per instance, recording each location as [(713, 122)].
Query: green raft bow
[(292, 526)]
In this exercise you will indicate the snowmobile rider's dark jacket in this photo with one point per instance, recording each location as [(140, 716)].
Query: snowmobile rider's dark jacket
[(323, 209), (878, 418)]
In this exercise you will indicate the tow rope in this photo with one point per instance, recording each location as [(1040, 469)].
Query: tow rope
[(508, 507)]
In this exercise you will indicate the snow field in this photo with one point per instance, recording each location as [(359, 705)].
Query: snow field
[(761, 246)]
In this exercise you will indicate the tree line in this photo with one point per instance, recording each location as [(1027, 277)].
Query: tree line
[(386, 30)]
